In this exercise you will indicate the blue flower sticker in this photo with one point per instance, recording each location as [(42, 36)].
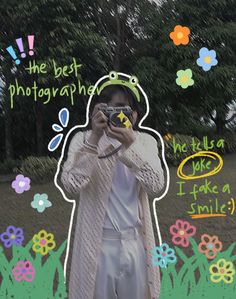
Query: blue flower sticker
[(163, 255), (13, 235), (41, 202), (207, 59), (63, 116)]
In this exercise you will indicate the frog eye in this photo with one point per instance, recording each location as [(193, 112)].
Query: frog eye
[(113, 75), (133, 80)]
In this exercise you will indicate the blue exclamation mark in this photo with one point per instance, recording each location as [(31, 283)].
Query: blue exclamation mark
[(11, 51)]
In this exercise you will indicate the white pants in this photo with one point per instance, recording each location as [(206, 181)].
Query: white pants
[(122, 271)]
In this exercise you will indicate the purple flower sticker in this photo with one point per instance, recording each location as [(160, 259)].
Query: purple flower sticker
[(23, 271), (21, 184), (13, 235)]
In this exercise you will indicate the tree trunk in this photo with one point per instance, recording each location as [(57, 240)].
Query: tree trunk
[(9, 153), (220, 123), (39, 127)]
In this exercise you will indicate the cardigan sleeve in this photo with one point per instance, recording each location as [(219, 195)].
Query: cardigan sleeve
[(78, 168), (142, 157)]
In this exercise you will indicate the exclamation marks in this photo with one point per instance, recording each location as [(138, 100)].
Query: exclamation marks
[(20, 45), (13, 55), (31, 44)]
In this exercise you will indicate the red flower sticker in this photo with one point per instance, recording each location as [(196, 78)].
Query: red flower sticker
[(181, 231), (209, 246)]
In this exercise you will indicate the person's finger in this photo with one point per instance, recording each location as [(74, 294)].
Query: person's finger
[(114, 134), (95, 115), (110, 134), (102, 116), (99, 114), (95, 110), (108, 131), (100, 123), (97, 106), (118, 129), (102, 127), (103, 105)]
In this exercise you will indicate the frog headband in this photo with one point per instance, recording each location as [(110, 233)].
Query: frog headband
[(131, 84)]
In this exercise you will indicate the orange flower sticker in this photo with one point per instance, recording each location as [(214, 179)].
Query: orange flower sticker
[(209, 246), (180, 35)]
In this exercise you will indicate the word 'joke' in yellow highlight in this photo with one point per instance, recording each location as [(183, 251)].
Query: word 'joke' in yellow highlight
[(209, 154)]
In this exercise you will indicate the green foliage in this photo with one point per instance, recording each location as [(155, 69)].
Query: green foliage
[(39, 169), (230, 142), (62, 29), (43, 285), (8, 166), (129, 36), (192, 281), (212, 25)]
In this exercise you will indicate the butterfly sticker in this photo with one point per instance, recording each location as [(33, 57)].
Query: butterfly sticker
[(63, 116)]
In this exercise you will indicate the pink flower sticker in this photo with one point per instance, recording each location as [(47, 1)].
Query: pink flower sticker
[(23, 271), (181, 231)]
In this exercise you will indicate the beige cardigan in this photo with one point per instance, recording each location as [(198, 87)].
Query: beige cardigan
[(89, 179)]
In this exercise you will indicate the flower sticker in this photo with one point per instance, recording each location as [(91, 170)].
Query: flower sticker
[(40, 202), (222, 270), (181, 231), (180, 35), (163, 255), (23, 271), (13, 235), (63, 116), (43, 242), (207, 59), (21, 184), (209, 246), (184, 78)]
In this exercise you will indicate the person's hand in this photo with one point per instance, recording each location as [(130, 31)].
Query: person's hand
[(99, 121), (124, 135)]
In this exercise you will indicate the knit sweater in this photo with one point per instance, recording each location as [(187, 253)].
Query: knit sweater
[(88, 179)]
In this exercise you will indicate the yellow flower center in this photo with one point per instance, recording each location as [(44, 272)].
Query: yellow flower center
[(207, 59), (181, 232), (13, 236), (184, 79), (222, 271), (180, 35)]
